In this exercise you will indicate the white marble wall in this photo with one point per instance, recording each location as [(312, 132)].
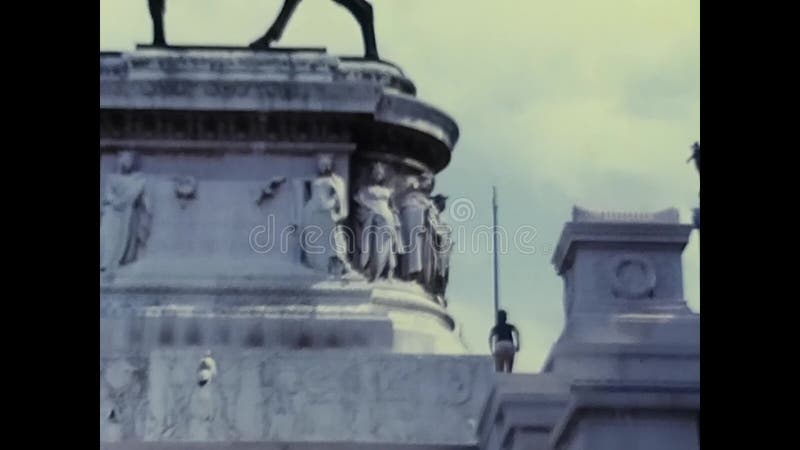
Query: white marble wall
[(332, 396)]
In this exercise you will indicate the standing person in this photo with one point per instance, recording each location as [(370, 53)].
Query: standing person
[(503, 343)]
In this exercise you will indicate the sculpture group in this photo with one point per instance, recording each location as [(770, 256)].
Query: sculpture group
[(403, 233), (360, 9), (396, 229)]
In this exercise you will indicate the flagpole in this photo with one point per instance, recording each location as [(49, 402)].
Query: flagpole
[(494, 250)]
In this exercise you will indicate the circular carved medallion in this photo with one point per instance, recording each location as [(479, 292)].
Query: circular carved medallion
[(633, 277)]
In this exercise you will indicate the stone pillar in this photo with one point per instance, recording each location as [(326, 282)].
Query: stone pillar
[(630, 349), (625, 372), (626, 317)]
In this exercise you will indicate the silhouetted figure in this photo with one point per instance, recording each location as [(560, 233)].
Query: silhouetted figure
[(695, 155), (360, 9), (157, 14), (503, 343)]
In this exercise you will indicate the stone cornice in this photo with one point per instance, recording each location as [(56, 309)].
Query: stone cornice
[(241, 95), (621, 232), (287, 65)]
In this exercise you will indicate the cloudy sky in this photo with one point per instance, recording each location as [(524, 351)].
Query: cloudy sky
[(560, 103)]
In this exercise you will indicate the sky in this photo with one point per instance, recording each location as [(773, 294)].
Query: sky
[(559, 103)]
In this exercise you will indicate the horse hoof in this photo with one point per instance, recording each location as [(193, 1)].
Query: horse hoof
[(260, 44), (263, 42)]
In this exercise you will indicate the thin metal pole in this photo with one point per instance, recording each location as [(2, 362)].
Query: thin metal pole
[(494, 249)]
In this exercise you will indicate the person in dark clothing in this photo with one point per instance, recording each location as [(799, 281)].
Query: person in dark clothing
[(503, 343)]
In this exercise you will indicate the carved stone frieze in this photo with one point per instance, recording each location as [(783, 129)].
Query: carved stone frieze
[(308, 396)]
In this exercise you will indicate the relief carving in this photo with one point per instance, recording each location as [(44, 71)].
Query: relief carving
[(206, 417), (427, 237), (322, 236), (122, 389), (270, 189), (377, 226), (280, 398), (185, 189), (633, 277), (125, 215)]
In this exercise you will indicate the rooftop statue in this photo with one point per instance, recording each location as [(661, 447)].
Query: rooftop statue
[(360, 9), (695, 155)]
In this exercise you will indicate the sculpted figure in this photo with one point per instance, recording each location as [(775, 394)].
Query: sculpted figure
[(126, 214), (427, 237), (416, 209), (322, 236), (442, 245), (696, 157), (360, 9), (207, 369), (377, 231), (205, 410)]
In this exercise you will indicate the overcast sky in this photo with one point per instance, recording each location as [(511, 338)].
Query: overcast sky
[(560, 103)]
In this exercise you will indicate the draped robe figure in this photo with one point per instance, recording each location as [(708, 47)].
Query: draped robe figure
[(324, 212), (378, 234), (125, 220), (415, 215), (442, 246)]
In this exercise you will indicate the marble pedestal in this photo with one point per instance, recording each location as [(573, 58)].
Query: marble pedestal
[(207, 161)]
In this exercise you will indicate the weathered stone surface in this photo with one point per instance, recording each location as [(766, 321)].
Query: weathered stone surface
[(610, 415), (228, 145), (151, 98), (331, 396), (626, 317)]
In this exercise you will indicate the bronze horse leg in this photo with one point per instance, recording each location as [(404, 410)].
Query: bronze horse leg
[(276, 30), (157, 14), (360, 9)]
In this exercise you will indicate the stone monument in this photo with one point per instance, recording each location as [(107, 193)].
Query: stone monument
[(274, 264), (251, 272)]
